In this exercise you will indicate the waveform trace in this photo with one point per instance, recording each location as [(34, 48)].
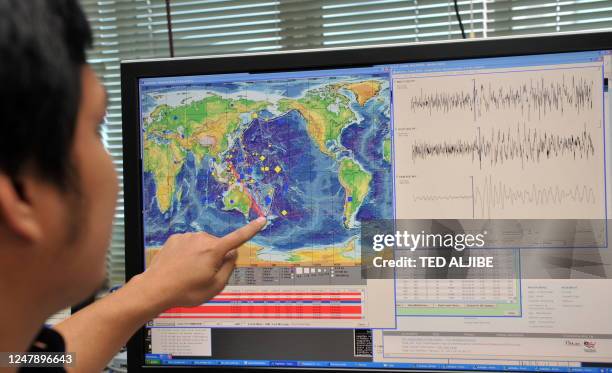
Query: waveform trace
[(494, 196), (539, 96), (528, 145)]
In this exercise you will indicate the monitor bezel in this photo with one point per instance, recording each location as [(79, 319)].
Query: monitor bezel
[(132, 71)]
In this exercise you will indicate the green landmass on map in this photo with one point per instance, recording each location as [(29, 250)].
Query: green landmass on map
[(205, 127)]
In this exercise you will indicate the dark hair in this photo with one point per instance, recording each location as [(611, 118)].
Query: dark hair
[(42, 51)]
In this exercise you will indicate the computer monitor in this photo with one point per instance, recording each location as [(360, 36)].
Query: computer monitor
[(324, 142)]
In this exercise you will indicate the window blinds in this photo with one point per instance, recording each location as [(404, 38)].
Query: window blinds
[(130, 29)]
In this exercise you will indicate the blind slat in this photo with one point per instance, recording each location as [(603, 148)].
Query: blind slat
[(131, 29)]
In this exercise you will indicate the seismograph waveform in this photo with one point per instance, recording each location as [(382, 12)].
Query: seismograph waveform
[(441, 197), (538, 96), (492, 196), (525, 144)]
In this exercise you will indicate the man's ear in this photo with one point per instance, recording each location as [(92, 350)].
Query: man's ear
[(16, 212)]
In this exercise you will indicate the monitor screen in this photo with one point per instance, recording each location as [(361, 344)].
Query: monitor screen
[(321, 153)]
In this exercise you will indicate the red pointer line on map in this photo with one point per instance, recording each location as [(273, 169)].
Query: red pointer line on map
[(246, 190)]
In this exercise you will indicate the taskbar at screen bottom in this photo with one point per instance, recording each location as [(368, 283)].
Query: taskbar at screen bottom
[(166, 360)]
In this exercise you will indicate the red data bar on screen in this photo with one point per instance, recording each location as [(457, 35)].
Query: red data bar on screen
[(281, 305)]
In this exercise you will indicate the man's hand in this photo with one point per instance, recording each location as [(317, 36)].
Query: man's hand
[(192, 268), (189, 270)]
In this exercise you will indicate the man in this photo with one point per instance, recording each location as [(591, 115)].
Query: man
[(57, 198)]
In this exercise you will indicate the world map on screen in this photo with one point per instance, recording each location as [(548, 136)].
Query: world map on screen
[(312, 155)]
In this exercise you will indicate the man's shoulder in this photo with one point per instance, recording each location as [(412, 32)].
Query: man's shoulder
[(47, 340)]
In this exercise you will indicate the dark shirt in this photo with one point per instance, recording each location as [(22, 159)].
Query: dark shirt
[(48, 340)]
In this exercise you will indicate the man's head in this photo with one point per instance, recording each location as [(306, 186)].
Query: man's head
[(57, 182)]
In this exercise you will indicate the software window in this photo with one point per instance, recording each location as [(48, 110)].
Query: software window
[(322, 152)]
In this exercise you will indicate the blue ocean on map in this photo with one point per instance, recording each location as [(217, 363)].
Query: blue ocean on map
[(307, 188)]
